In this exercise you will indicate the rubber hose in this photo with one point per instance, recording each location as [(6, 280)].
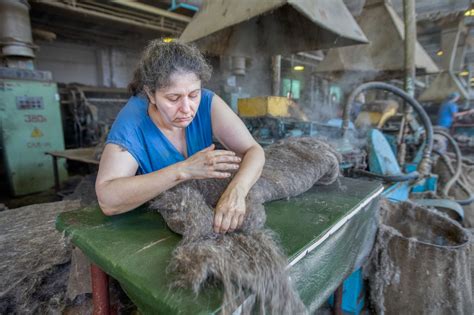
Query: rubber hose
[(458, 153), (390, 178), (462, 202), (399, 92), (447, 161)]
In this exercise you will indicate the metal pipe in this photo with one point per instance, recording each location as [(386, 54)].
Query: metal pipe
[(454, 48), (410, 44), (410, 71), (276, 74), (151, 9), (15, 29), (310, 56), (452, 56), (43, 34), (470, 69), (238, 65), (105, 16)]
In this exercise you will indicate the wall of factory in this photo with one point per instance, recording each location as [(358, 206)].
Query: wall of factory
[(112, 67), (256, 81), (89, 65), (68, 62), (217, 81), (258, 78), (230, 86), (115, 67), (314, 93)]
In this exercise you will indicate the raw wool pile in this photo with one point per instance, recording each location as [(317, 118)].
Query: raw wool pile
[(248, 261), (35, 259), (471, 245), (420, 263), (85, 191)]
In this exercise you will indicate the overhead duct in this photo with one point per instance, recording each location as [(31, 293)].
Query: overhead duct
[(447, 82), (15, 31), (264, 28), (384, 54), (442, 86)]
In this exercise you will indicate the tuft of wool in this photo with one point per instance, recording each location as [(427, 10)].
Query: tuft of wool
[(249, 261)]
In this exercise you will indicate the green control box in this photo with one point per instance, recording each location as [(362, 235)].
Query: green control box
[(30, 125)]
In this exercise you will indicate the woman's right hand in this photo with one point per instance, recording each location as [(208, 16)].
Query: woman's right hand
[(209, 163)]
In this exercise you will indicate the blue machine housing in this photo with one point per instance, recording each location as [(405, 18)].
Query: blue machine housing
[(353, 289)]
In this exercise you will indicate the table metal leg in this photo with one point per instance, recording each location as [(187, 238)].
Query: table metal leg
[(337, 310), (100, 291), (56, 174)]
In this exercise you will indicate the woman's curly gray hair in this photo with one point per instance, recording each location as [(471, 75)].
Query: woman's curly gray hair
[(160, 60)]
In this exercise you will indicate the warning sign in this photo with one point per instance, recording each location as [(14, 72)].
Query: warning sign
[(36, 133)]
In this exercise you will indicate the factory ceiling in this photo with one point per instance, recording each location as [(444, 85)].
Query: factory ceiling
[(132, 23), (118, 23)]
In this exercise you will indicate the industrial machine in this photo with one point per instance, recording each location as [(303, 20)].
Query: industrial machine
[(88, 112), (272, 118), (30, 117), (30, 125), (386, 145), (455, 40), (463, 131), (375, 114)]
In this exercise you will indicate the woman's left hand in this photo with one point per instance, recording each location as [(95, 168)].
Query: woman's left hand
[(230, 210)]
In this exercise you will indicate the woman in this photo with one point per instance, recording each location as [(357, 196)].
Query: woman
[(163, 137)]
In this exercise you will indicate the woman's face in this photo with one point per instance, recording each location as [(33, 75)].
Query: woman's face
[(177, 103)]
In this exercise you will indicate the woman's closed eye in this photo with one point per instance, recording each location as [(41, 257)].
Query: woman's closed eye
[(193, 94), (173, 98)]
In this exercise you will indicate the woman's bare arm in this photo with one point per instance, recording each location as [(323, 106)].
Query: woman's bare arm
[(119, 190), (234, 135)]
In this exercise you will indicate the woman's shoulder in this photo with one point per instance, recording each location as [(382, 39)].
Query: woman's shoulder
[(206, 95), (134, 111), (130, 118)]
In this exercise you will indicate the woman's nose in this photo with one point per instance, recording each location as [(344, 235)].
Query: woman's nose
[(186, 105)]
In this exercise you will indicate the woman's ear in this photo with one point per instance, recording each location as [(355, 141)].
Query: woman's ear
[(151, 98)]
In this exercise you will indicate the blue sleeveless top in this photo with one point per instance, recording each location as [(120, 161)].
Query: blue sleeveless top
[(135, 131)]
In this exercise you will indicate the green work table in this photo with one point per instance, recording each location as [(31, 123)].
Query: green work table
[(326, 232)]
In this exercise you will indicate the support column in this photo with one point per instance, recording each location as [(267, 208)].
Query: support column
[(410, 42), (276, 75)]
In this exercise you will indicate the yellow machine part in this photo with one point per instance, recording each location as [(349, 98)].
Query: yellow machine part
[(377, 114), (264, 106)]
